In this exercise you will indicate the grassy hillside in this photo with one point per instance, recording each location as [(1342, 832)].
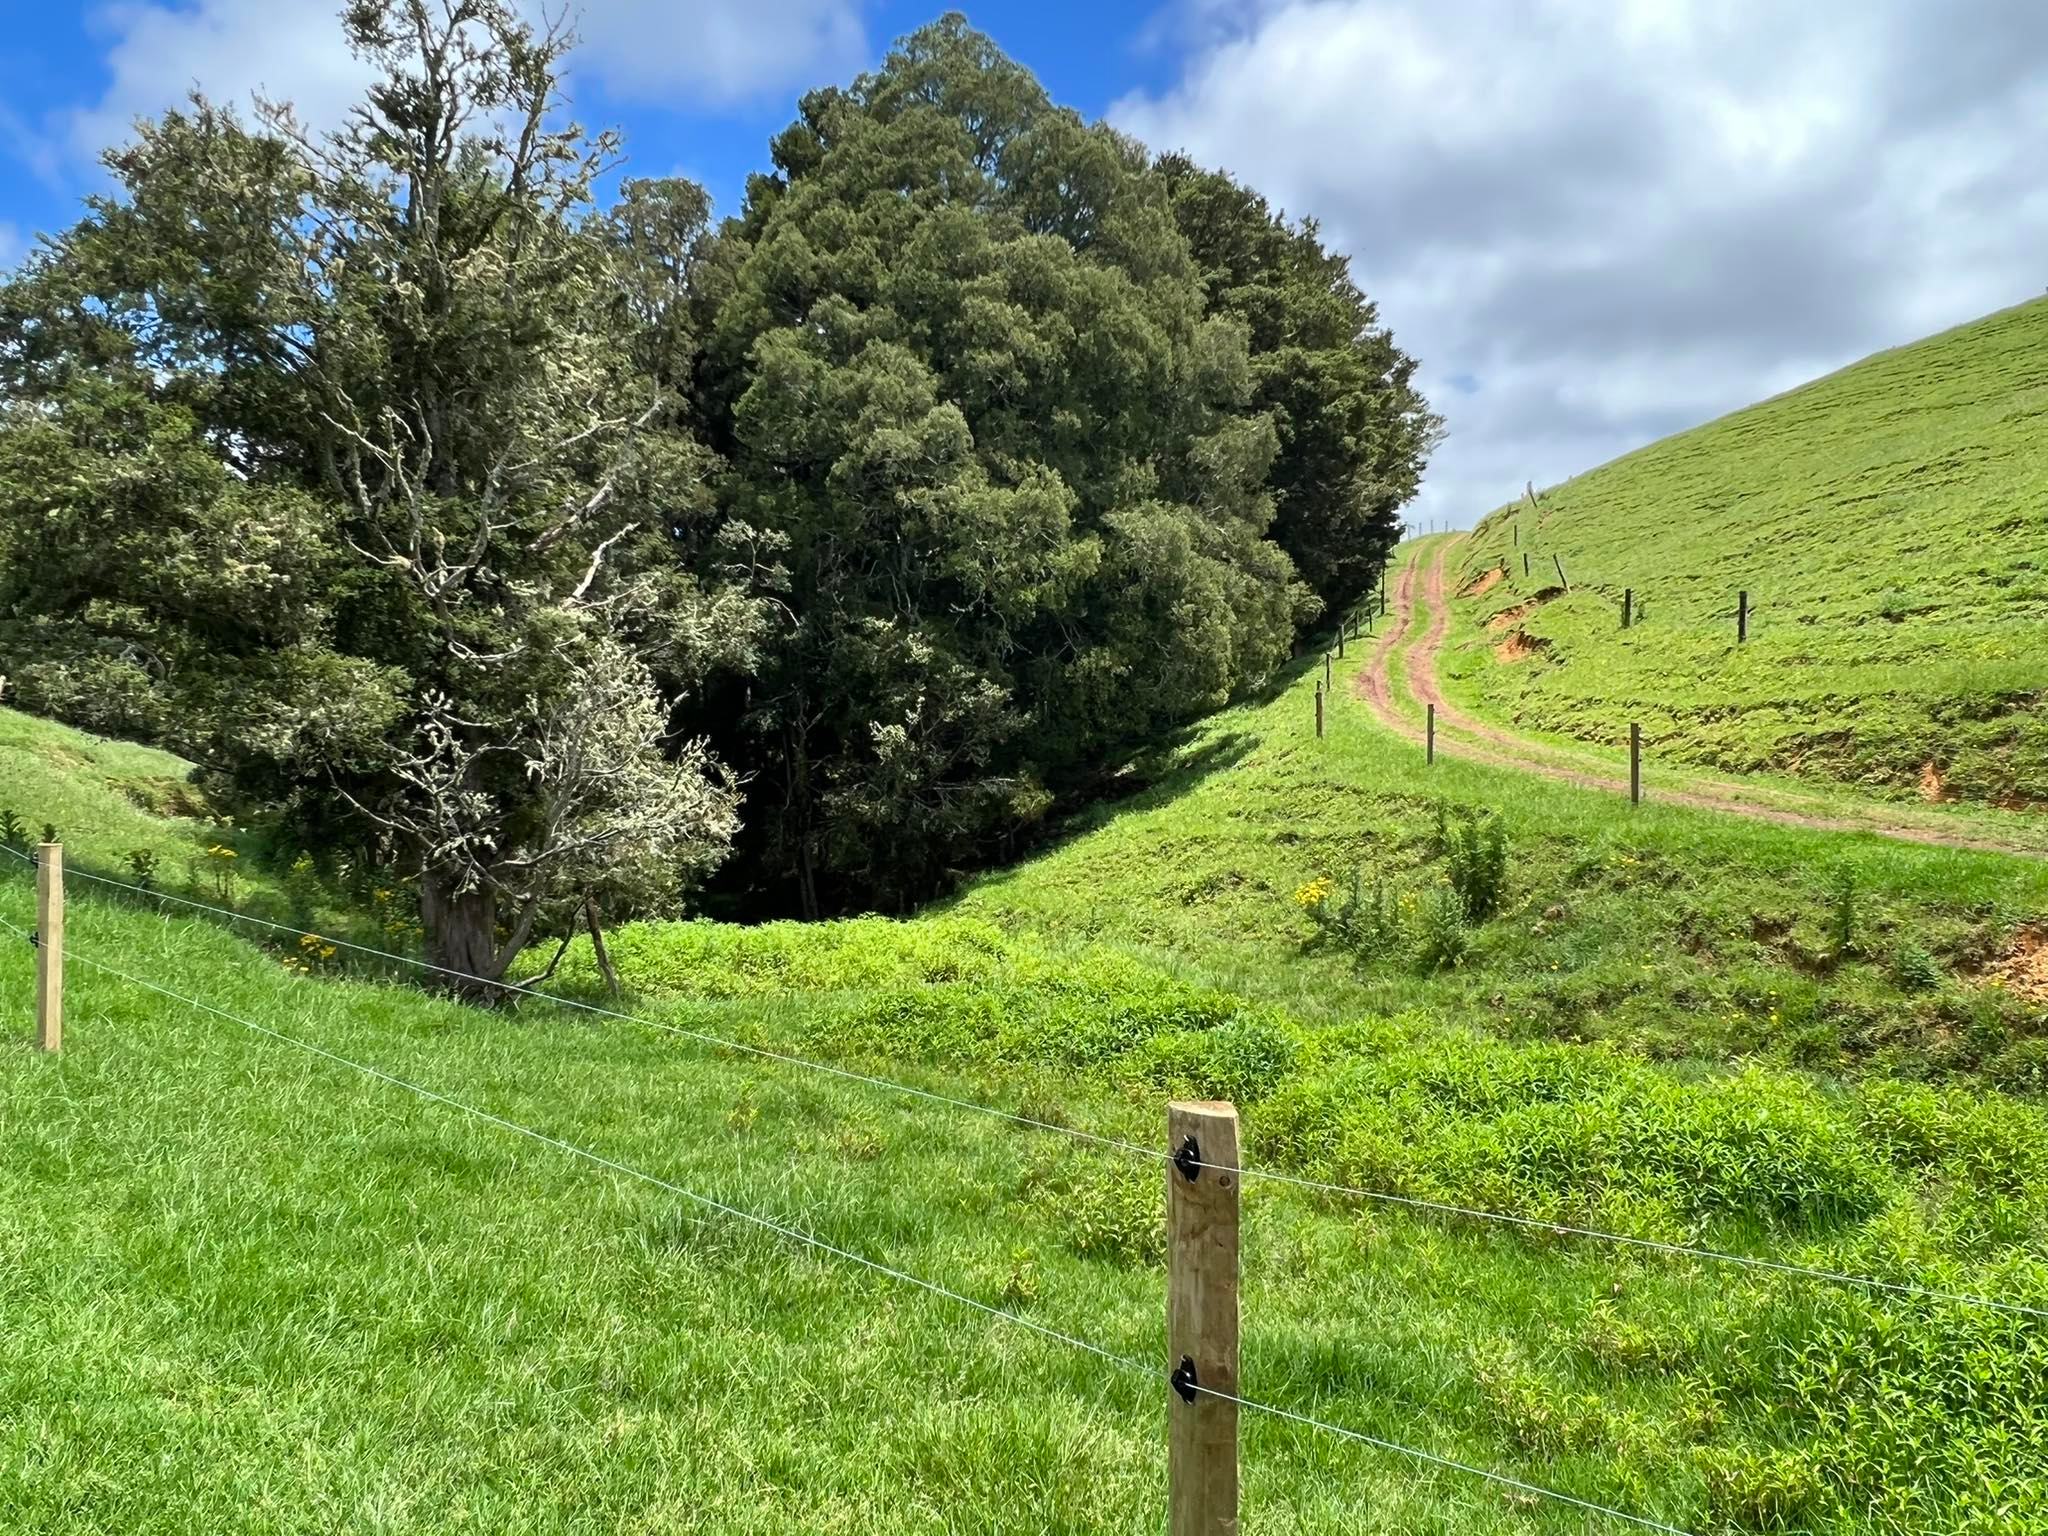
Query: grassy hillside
[(1890, 523), (259, 1291)]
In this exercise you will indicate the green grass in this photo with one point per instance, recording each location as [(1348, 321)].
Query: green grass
[(250, 1290), (1887, 524)]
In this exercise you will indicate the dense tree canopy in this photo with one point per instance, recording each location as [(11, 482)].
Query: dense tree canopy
[(541, 548), (1354, 430), (343, 464)]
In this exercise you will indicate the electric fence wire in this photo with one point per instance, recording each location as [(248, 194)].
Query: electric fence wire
[(1271, 1176), (888, 1271), (1561, 1229), (718, 1042)]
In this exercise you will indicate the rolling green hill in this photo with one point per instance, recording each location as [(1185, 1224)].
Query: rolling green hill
[(255, 1281), (1890, 524), (253, 1288)]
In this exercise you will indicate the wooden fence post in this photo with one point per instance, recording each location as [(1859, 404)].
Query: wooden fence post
[(1525, 562), (1741, 617), (50, 947), (1635, 764), (1559, 563), (1429, 737), (1340, 639), (1319, 711), (1201, 1319), (1628, 603), (1326, 671), (1518, 533)]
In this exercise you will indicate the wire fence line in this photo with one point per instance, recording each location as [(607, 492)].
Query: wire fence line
[(1499, 1478), (903, 1277), (1268, 1175), (718, 1042), (1563, 1229)]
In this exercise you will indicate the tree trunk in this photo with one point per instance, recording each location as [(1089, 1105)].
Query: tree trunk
[(462, 937), (604, 959)]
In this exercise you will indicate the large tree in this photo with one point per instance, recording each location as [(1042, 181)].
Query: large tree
[(354, 464), (1017, 483), (413, 493), (1354, 430)]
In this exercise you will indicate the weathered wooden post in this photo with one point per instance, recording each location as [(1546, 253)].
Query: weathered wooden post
[(1319, 711), (1741, 617), (1559, 563), (1429, 737), (1628, 603), (1326, 671), (1518, 533), (1201, 1319), (1635, 764), (1525, 562), (1340, 639), (50, 947)]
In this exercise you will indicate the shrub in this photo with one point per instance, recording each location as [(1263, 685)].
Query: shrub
[(1368, 927), (213, 873), (50, 833), (1478, 866), (1441, 942), (12, 832), (302, 887), (142, 863), (1759, 1489), (1914, 969)]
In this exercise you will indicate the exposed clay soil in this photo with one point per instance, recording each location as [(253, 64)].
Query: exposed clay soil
[(2025, 966), (1508, 618), (1484, 582), (1519, 646)]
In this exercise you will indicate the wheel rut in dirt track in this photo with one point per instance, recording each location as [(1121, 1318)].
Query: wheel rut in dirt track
[(1459, 734)]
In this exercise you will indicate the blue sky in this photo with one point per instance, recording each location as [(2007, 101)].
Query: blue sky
[(54, 67), (1593, 221)]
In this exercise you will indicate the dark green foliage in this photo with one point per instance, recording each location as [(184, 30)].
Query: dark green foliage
[(12, 832), (1353, 429), (975, 454), (50, 832), (142, 867), (1016, 471), (348, 467)]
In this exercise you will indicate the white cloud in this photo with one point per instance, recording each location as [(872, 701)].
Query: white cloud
[(715, 52), (1609, 222), (684, 52), (288, 50)]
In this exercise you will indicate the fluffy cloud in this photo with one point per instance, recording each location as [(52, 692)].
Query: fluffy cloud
[(692, 52), (288, 50), (715, 52), (1597, 223)]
